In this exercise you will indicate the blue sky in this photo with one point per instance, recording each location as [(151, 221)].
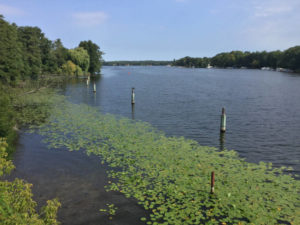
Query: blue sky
[(163, 29)]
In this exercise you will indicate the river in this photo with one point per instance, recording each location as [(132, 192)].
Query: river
[(263, 124)]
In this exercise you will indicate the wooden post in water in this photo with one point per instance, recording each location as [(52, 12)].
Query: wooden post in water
[(94, 87), (212, 182), (223, 121), (132, 96)]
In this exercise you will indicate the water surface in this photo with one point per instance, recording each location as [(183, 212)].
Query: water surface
[(262, 107), (263, 124)]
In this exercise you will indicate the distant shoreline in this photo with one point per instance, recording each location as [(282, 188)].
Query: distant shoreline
[(282, 61), (227, 68)]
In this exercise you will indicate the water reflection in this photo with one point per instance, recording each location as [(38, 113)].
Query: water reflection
[(222, 141), (95, 98), (132, 111)]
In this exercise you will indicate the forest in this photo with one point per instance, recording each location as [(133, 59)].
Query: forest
[(25, 52), (288, 59)]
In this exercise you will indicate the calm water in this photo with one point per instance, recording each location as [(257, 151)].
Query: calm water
[(263, 124), (262, 107)]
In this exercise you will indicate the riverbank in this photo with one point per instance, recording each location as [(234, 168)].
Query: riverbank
[(26, 103)]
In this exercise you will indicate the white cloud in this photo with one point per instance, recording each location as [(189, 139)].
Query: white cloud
[(7, 10), (272, 24), (271, 35), (273, 8), (90, 19)]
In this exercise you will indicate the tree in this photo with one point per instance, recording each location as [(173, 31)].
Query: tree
[(80, 57), (274, 58), (291, 58), (69, 68), (45, 46), (31, 37), (58, 57), (11, 63), (95, 55)]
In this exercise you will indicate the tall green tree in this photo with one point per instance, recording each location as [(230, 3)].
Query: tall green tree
[(58, 57), (11, 63), (31, 39), (45, 47), (95, 55)]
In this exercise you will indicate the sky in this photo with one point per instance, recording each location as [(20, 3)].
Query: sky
[(162, 29)]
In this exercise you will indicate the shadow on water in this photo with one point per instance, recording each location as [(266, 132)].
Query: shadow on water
[(76, 179), (132, 111), (222, 141)]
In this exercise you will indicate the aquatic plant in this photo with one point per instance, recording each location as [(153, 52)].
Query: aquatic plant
[(16, 204), (110, 210), (170, 176), (29, 103)]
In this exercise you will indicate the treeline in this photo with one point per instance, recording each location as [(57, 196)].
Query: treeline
[(192, 62), (25, 52), (137, 63), (288, 59)]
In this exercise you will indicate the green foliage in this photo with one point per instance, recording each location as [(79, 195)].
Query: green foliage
[(7, 117), (11, 63), (49, 212), (110, 210), (289, 59), (81, 58), (33, 108), (16, 204), (30, 38), (95, 55), (5, 165), (69, 68), (25, 53), (28, 103), (192, 62), (23, 105), (170, 177), (58, 57)]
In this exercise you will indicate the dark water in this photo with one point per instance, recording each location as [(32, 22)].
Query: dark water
[(75, 179), (263, 124)]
